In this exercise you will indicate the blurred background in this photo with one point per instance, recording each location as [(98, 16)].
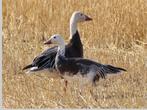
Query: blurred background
[(117, 35)]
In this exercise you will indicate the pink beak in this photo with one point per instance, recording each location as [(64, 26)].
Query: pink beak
[(48, 42), (87, 18)]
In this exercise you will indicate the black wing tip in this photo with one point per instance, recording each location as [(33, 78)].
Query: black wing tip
[(122, 69), (27, 67), (115, 69)]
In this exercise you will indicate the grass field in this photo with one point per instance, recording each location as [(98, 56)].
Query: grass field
[(117, 35)]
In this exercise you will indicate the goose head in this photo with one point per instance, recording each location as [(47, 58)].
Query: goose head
[(55, 39), (78, 16)]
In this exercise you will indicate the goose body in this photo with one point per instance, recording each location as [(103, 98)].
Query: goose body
[(85, 67), (74, 48)]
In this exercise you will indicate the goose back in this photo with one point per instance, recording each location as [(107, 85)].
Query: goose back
[(74, 48)]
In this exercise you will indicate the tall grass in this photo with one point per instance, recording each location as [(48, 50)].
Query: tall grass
[(117, 35)]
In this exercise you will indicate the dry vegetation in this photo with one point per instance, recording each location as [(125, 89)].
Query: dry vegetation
[(117, 35)]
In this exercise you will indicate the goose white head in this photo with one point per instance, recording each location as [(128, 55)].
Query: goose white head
[(55, 39), (76, 17)]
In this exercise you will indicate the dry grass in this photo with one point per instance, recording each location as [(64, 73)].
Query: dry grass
[(117, 35)]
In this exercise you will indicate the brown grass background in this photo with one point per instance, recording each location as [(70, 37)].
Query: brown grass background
[(117, 35)]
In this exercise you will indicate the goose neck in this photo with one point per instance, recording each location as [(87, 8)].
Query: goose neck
[(73, 27), (61, 49)]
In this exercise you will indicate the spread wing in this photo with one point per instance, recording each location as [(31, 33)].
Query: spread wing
[(45, 60)]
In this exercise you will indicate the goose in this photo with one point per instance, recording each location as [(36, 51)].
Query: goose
[(85, 67), (73, 49)]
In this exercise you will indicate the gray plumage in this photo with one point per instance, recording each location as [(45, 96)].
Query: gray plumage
[(86, 67)]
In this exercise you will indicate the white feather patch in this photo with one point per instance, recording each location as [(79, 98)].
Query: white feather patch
[(33, 68)]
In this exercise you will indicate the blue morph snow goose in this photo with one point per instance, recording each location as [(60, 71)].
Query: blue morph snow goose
[(73, 49), (85, 67)]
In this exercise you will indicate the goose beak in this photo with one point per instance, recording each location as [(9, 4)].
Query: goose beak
[(87, 18), (48, 42)]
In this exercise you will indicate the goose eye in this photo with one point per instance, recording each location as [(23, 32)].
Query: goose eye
[(81, 14), (54, 37)]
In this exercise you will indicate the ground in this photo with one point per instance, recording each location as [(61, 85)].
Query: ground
[(117, 35)]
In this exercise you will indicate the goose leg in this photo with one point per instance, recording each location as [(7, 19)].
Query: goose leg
[(65, 82), (81, 88), (96, 78), (65, 86)]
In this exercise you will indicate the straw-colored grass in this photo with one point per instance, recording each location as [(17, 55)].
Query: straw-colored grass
[(117, 35)]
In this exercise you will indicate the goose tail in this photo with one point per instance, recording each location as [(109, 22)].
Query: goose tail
[(114, 70)]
